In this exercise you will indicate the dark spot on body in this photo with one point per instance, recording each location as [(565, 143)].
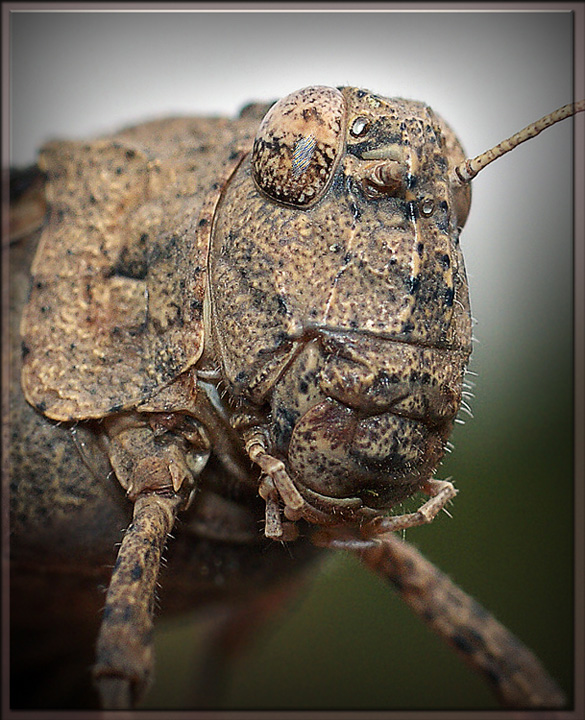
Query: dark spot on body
[(310, 113), (442, 222), (392, 462), (493, 676), (202, 222), (259, 297), (285, 420), (138, 330), (382, 137), (475, 637), (397, 582), (449, 295), (462, 644), (281, 337), (136, 572)]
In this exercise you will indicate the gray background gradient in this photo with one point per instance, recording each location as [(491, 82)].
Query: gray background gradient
[(349, 644)]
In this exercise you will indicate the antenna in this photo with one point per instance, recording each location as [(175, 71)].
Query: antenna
[(468, 169)]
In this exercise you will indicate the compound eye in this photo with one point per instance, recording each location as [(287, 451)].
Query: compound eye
[(298, 145)]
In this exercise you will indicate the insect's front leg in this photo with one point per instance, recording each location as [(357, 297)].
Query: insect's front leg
[(124, 655), (152, 464)]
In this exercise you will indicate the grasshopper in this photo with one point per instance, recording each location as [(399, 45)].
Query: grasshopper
[(264, 322)]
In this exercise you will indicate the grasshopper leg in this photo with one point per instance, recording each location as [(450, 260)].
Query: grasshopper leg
[(515, 675), (124, 657)]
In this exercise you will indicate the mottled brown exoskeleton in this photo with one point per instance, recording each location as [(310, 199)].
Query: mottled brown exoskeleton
[(263, 324)]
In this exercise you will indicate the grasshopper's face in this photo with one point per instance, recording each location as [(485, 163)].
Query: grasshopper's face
[(338, 294)]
